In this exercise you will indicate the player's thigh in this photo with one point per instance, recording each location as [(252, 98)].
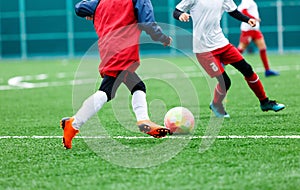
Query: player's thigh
[(231, 55), (260, 43), (210, 63), (243, 45), (259, 40), (245, 38), (133, 82), (109, 85)]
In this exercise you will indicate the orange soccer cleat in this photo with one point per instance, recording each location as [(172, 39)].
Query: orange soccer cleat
[(69, 131), (150, 128)]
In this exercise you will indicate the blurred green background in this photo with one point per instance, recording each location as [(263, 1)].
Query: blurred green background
[(30, 28)]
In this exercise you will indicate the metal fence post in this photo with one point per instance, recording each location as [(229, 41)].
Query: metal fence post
[(70, 29), (279, 26), (23, 35), (0, 38), (172, 24)]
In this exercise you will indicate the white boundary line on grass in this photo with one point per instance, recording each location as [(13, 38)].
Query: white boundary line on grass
[(170, 137)]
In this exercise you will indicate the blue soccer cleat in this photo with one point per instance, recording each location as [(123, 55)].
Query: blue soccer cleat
[(272, 105), (218, 110), (269, 73)]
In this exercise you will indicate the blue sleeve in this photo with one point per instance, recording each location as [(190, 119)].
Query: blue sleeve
[(146, 20), (86, 8)]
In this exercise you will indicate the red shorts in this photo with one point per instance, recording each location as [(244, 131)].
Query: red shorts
[(212, 61), (247, 36)]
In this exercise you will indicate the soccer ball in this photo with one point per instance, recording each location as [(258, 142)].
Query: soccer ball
[(179, 120)]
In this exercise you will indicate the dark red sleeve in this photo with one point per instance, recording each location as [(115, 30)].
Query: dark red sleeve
[(245, 12)]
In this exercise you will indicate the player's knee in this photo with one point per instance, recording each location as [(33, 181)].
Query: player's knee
[(227, 82), (241, 50), (139, 86), (109, 93), (244, 68), (262, 49), (224, 81)]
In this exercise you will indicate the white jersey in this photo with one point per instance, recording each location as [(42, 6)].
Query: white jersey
[(206, 16), (252, 9)]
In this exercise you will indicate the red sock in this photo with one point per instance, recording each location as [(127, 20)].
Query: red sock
[(240, 50), (264, 58), (256, 86), (219, 94)]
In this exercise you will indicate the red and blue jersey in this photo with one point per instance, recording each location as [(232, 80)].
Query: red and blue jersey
[(118, 24)]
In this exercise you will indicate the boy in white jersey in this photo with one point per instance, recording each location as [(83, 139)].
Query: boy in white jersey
[(248, 34), (212, 49)]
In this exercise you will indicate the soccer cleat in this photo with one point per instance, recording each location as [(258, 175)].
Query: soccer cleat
[(272, 105), (150, 128), (69, 131), (269, 73), (218, 110)]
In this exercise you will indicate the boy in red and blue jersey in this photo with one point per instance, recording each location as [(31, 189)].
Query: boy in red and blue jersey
[(118, 24)]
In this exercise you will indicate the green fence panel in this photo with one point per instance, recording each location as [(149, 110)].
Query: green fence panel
[(30, 28)]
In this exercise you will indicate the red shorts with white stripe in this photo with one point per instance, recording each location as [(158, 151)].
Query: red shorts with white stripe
[(212, 61), (247, 36)]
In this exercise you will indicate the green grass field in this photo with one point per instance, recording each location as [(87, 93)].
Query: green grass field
[(36, 94)]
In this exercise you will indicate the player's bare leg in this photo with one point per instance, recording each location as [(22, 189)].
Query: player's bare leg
[(242, 46)]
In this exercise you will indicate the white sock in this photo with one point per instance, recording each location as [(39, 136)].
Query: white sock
[(139, 105), (89, 107)]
